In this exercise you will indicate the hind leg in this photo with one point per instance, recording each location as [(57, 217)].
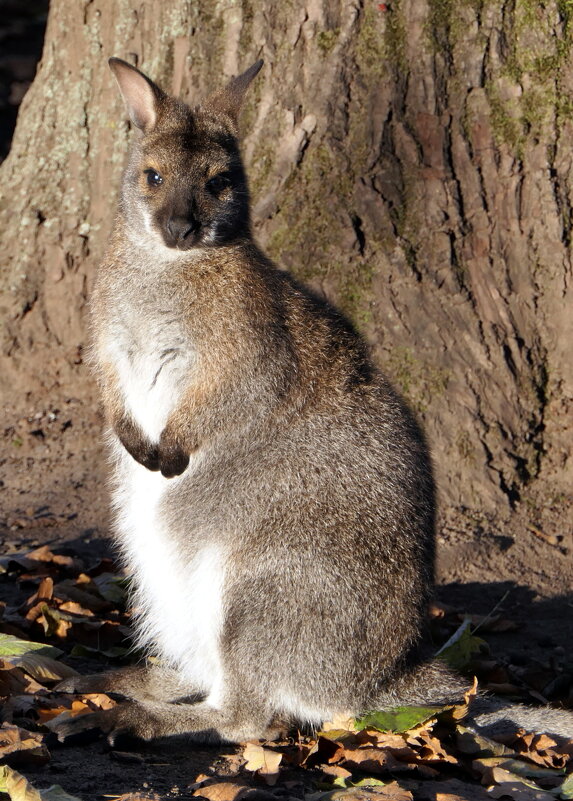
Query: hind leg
[(239, 718)]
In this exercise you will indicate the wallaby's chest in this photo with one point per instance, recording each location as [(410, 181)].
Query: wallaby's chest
[(153, 359)]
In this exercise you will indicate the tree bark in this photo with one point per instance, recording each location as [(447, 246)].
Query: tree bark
[(411, 160)]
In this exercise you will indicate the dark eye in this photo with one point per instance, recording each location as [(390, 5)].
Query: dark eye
[(153, 178), (217, 183)]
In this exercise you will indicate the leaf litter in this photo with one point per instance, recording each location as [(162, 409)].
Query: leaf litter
[(76, 612)]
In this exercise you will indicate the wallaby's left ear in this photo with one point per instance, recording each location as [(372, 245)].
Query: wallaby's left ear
[(229, 99), (141, 96)]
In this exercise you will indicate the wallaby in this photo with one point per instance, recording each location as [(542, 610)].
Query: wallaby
[(274, 495)]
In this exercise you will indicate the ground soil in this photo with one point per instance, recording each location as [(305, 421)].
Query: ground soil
[(53, 490)]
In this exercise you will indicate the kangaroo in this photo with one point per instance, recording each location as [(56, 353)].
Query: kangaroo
[(274, 495)]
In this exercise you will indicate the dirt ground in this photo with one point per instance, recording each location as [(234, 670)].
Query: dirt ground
[(53, 490)]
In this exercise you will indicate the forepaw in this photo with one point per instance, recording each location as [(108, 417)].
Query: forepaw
[(149, 459), (172, 459), (136, 443)]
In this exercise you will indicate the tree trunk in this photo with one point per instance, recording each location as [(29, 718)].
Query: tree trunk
[(410, 160)]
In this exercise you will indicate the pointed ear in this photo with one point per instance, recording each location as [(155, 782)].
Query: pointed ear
[(139, 93), (229, 99)]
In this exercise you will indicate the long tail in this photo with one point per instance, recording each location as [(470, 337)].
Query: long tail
[(434, 683)]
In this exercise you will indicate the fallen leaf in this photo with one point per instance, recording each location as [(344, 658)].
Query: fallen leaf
[(12, 646), (336, 772), (44, 592), (372, 760), (469, 742), (19, 746), (388, 792), (42, 668), (342, 722), (112, 588), (133, 797), (44, 554), (263, 760), (399, 719), (487, 767), (115, 652), (459, 651), (222, 791), (20, 789), (78, 708), (81, 594), (543, 750), (98, 700), (74, 608), (430, 749), (516, 787), (14, 681)]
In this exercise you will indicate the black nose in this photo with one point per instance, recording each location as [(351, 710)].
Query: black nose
[(179, 228)]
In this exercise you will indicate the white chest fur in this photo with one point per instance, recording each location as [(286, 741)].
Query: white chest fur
[(179, 597), (153, 362)]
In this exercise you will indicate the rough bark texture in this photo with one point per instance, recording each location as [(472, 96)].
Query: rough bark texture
[(411, 161)]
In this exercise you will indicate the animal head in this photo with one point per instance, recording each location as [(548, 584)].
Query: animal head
[(184, 186)]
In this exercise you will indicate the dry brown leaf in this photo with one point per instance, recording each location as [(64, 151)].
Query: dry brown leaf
[(98, 700), (335, 771), (44, 592), (72, 706), (35, 611), (387, 792), (74, 608), (14, 681), (382, 739), (371, 760), (263, 760), (324, 750), (430, 749), (19, 746), (342, 722), (76, 709), (461, 710), (44, 554), (54, 624), (222, 791), (72, 591), (507, 784), (539, 748)]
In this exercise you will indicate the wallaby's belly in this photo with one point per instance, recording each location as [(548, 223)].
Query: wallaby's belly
[(178, 599)]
